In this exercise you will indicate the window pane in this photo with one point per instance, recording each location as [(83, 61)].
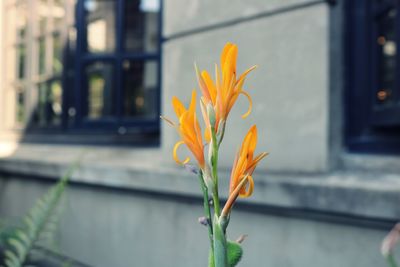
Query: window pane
[(140, 89), (55, 99), (100, 90), (49, 105), (387, 58), (141, 25), (21, 60), (42, 55), (40, 112), (20, 107), (100, 21), (57, 53)]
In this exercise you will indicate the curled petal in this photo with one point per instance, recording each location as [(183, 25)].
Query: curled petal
[(176, 155), (246, 191), (250, 104)]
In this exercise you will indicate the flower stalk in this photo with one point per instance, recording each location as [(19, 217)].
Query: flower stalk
[(217, 98)]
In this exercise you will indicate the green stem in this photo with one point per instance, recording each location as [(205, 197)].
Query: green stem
[(207, 210), (222, 135), (214, 163), (391, 260), (220, 245)]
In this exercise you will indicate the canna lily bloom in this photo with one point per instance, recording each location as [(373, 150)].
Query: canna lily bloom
[(241, 183), (223, 93), (188, 129)]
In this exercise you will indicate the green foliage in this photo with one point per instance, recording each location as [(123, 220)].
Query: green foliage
[(38, 226), (391, 260)]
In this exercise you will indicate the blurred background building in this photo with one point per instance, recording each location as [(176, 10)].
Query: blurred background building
[(94, 76)]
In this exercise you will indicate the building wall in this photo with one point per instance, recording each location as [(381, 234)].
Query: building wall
[(104, 227), (290, 87), (135, 207)]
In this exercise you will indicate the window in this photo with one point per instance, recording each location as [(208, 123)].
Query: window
[(84, 67), (373, 99)]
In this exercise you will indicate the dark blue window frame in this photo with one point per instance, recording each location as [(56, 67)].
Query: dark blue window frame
[(369, 127), (117, 57), (75, 128)]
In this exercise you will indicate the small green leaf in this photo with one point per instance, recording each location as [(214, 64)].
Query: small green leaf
[(11, 259), (235, 253), (23, 237), (19, 248)]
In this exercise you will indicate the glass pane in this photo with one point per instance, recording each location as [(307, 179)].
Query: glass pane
[(140, 89), (100, 90), (20, 107), (40, 112), (55, 102), (21, 58), (42, 55), (141, 25), (49, 107), (100, 21), (57, 53), (387, 58)]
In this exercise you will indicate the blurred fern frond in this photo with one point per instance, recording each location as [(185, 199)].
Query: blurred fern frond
[(38, 226)]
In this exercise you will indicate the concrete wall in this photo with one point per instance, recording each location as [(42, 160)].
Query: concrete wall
[(290, 88), (104, 228)]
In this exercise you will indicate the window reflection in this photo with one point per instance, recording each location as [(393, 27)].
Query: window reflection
[(140, 89), (100, 89), (20, 107), (55, 99), (387, 57), (100, 21), (49, 104), (21, 58), (42, 55), (57, 53), (141, 25)]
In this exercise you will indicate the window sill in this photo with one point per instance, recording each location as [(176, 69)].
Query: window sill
[(363, 194), (371, 162)]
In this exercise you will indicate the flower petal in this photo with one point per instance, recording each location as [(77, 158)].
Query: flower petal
[(176, 155), (247, 188), (250, 104), (178, 106)]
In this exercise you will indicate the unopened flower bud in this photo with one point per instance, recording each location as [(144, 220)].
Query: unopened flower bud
[(203, 220), (221, 129), (211, 114), (191, 168)]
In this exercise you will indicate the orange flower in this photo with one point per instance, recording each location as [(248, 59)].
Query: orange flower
[(223, 93), (188, 129), (241, 183)]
